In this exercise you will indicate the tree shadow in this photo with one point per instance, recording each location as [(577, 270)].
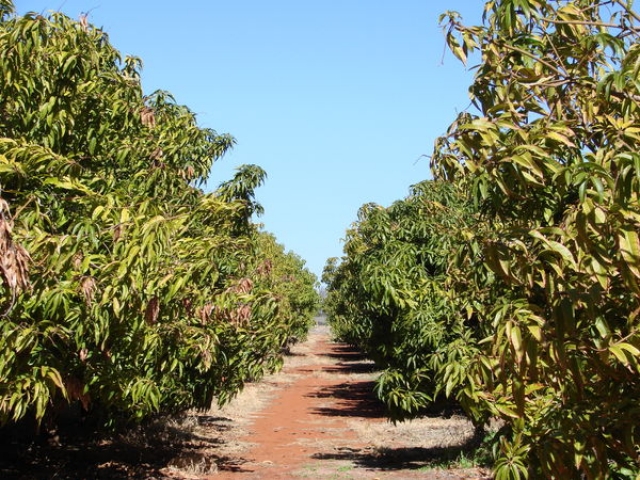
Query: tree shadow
[(220, 424), (80, 460), (78, 452), (344, 352), (351, 399), (350, 360), (404, 458)]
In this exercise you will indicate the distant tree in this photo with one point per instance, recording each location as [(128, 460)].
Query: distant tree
[(389, 296)]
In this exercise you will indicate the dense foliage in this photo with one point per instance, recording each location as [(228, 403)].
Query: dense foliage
[(548, 277), (389, 295), (125, 288)]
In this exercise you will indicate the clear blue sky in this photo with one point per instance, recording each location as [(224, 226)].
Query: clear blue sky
[(338, 100)]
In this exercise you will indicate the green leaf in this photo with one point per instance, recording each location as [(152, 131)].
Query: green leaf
[(630, 249)]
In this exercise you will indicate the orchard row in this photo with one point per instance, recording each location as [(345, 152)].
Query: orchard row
[(125, 289), (511, 282)]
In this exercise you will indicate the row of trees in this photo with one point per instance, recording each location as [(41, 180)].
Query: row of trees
[(511, 281), (125, 288)]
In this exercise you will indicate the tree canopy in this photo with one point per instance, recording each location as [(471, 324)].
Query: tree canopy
[(125, 287), (544, 279)]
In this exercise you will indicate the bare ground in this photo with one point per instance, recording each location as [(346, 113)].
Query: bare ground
[(315, 419)]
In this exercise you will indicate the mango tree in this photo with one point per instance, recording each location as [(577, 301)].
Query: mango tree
[(125, 288), (551, 158), (389, 296)]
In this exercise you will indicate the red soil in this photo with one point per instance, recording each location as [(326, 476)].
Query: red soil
[(287, 436), (313, 428)]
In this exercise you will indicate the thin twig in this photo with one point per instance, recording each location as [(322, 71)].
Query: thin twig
[(628, 10), (532, 56), (582, 22)]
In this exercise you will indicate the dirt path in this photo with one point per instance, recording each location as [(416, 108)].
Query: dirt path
[(318, 419)]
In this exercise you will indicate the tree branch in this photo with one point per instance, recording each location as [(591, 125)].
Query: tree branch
[(628, 10), (582, 22), (533, 57)]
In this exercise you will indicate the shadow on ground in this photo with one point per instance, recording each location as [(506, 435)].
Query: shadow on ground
[(405, 458), (351, 399), (78, 454)]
